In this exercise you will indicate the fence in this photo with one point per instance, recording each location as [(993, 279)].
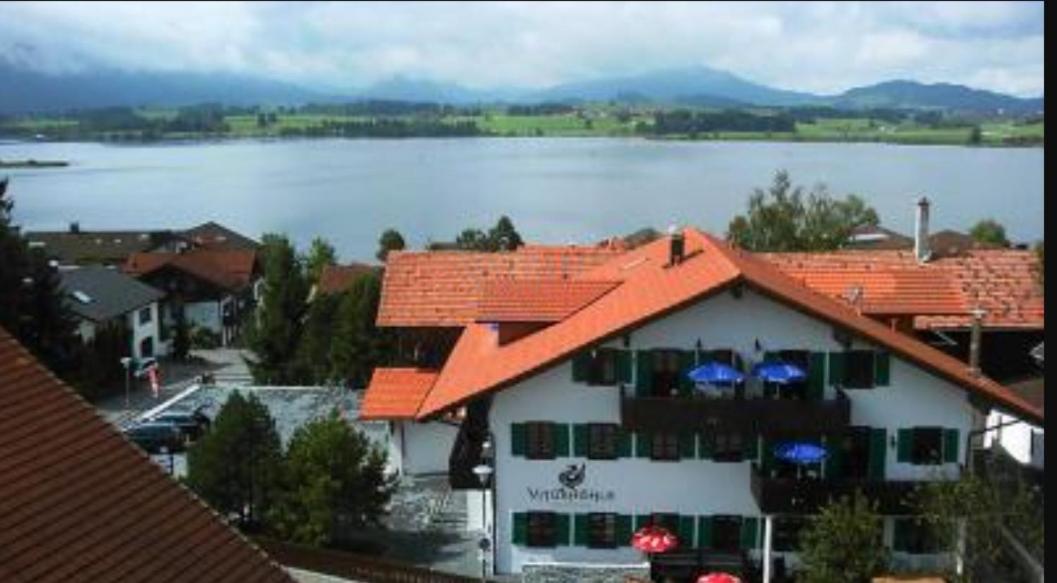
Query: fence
[(353, 566)]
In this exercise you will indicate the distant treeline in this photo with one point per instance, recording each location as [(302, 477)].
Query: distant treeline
[(541, 109), (126, 123), (384, 107), (385, 128), (683, 121)]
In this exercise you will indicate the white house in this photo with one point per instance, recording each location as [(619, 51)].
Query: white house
[(101, 296), (1021, 440), (574, 390)]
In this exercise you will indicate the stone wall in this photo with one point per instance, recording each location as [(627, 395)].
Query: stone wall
[(572, 573)]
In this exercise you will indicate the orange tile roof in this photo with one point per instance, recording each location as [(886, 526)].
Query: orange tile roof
[(396, 393), (80, 503), (229, 269), (940, 293), (651, 290), (337, 278), (442, 288), (537, 300)]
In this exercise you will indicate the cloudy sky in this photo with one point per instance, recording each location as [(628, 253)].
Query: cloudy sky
[(818, 47)]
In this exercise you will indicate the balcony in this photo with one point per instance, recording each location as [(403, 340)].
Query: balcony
[(763, 416), (806, 496)]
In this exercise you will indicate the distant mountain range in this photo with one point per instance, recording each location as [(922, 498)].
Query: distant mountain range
[(26, 90)]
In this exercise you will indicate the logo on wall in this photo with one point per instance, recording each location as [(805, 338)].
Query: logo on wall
[(571, 478)]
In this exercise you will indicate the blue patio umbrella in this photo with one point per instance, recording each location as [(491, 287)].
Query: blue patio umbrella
[(778, 372), (800, 453), (715, 373)]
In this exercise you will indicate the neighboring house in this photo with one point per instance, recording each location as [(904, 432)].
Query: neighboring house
[(1022, 441), (101, 296), (80, 247), (933, 296), (211, 288), (78, 502), (335, 279), (572, 385)]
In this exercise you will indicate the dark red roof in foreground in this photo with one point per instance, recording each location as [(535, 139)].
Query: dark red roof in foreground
[(80, 503)]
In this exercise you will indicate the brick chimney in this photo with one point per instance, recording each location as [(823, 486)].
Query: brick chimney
[(921, 232)]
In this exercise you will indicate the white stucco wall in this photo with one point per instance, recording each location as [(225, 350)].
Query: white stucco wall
[(691, 487), (143, 331), (1023, 441), (422, 448)]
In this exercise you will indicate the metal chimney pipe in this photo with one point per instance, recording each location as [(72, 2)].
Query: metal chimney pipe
[(921, 232), (974, 341)]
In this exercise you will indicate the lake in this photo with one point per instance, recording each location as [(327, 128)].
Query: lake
[(557, 190)]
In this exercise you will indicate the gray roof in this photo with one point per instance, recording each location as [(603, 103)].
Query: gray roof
[(109, 293)]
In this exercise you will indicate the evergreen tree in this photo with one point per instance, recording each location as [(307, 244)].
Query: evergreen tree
[(320, 255), (473, 240), (235, 466), (391, 240), (274, 331), (843, 543), (314, 351), (503, 236), (334, 481), (358, 345), (181, 344)]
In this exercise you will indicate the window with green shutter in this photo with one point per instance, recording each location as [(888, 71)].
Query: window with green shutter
[(904, 445), (686, 364), (520, 530), (603, 441), (561, 439), (950, 445), (602, 530), (878, 453), (624, 438), (816, 376), (859, 369), (882, 369), (749, 528), (580, 439), (623, 366), (644, 373), (580, 530), (624, 530), (642, 520), (581, 366), (562, 530), (642, 444), (518, 439), (836, 368), (686, 532), (704, 532)]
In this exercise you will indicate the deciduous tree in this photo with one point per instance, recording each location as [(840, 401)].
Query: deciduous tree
[(391, 240), (842, 543), (989, 232)]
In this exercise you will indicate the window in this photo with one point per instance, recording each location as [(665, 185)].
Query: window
[(785, 536), (853, 454), (664, 446), (539, 441), (915, 537), (602, 441), (542, 529), (602, 530), (603, 368), (726, 533), (726, 446), (666, 366), (859, 369), (926, 446), (144, 316)]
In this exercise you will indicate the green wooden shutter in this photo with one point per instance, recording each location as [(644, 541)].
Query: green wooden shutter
[(900, 533), (623, 443), (906, 440), (687, 441), (623, 358), (642, 444), (686, 364), (580, 528), (643, 373), (581, 366), (834, 462), (882, 363), (749, 527), (562, 530), (561, 439), (641, 520), (704, 532), (950, 445), (704, 447), (623, 530), (580, 437), (816, 376), (751, 447), (686, 532), (520, 532), (836, 369), (878, 453), (518, 438)]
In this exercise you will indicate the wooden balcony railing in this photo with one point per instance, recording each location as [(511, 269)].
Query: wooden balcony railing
[(760, 416), (806, 496)]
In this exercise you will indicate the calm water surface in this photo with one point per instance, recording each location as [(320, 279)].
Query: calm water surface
[(556, 190)]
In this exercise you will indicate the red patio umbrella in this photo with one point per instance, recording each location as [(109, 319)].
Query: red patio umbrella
[(718, 578), (654, 539)]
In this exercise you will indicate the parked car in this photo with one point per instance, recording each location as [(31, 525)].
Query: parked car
[(156, 437), (192, 424)]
